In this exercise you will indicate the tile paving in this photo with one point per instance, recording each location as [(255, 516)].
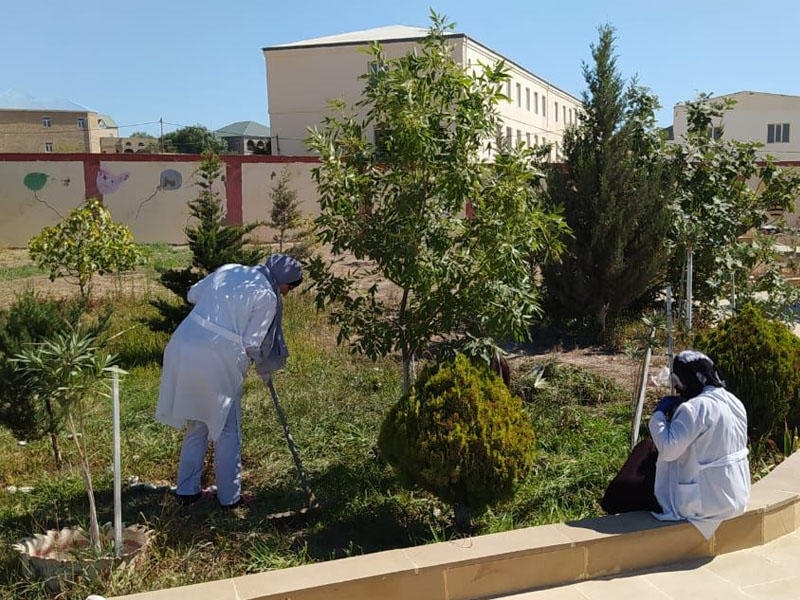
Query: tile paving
[(768, 572)]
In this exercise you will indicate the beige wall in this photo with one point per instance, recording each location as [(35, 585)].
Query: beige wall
[(748, 121), (153, 213), (301, 80), (258, 181), (24, 211)]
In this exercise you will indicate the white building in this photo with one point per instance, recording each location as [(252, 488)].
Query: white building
[(771, 119), (302, 76)]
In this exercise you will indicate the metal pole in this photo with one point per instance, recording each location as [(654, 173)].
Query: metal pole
[(689, 268), (312, 500), (117, 464), (670, 341)]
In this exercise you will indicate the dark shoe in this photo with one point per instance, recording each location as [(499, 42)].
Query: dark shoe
[(244, 499), (187, 499)]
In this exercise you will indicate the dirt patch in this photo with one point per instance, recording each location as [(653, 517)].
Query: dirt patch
[(615, 365)]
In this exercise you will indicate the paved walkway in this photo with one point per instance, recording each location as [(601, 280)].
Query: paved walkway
[(768, 572)]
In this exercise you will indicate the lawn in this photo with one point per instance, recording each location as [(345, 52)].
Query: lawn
[(335, 403)]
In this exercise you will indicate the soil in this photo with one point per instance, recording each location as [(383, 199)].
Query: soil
[(615, 365)]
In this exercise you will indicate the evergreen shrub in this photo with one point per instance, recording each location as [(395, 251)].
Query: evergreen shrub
[(760, 360), (460, 434), (29, 320)]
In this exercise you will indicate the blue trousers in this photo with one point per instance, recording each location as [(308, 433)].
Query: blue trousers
[(227, 458)]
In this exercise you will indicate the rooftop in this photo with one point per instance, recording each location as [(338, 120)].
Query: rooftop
[(14, 100), (376, 34), (243, 128)]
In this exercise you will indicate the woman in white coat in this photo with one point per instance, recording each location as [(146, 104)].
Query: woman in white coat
[(702, 472), (236, 318)]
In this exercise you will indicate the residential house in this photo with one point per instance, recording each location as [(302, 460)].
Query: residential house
[(302, 76), (29, 124), (246, 137), (771, 119)]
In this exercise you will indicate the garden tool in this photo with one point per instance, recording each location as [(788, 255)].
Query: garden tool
[(311, 500)]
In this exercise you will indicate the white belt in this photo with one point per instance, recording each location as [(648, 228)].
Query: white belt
[(206, 324), (728, 459)]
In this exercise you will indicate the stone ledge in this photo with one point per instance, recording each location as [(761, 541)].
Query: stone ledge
[(520, 560)]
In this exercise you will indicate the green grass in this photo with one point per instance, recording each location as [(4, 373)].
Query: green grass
[(162, 257), (335, 403), (20, 272)]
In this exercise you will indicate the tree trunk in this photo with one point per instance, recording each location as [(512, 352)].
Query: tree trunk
[(94, 526), (463, 517), (56, 450)]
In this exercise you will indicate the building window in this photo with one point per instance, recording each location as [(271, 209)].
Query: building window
[(519, 137), (519, 95), (509, 137), (778, 133), (564, 114), (536, 102), (556, 115), (528, 99), (382, 141), (48, 146), (508, 89), (544, 106), (536, 139), (81, 123), (46, 122), (373, 68), (528, 138)]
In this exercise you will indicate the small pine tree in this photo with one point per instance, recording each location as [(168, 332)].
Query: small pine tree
[(285, 214), (212, 241), (286, 219)]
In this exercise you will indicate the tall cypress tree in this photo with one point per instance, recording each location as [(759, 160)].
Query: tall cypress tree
[(614, 190)]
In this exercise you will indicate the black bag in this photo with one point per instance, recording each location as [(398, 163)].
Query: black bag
[(634, 486)]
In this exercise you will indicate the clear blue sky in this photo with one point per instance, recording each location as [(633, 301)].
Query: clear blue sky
[(199, 61)]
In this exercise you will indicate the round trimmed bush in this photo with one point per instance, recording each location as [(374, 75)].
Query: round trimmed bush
[(459, 434), (760, 361)]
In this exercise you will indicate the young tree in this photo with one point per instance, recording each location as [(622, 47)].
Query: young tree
[(285, 214), (398, 205), (193, 139), (724, 190), (212, 241), (614, 190), (86, 243)]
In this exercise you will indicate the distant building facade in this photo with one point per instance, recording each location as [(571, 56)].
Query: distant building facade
[(128, 145), (246, 137), (771, 119), (30, 125), (302, 76)]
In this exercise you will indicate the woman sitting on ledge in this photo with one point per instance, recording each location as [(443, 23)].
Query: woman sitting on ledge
[(702, 472), (695, 464)]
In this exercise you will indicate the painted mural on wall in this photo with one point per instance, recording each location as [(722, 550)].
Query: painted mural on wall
[(37, 181), (169, 181), (108, 182)]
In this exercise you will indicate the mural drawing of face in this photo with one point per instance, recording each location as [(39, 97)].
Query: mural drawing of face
[(108, 183)]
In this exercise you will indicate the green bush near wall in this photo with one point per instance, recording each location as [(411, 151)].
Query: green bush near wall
[(760, 360)]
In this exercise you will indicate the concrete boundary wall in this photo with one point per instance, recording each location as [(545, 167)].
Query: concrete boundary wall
[(512, 562), (147, 192)]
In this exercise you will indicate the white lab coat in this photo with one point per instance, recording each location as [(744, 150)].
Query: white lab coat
[(702, 473), (206, 359)]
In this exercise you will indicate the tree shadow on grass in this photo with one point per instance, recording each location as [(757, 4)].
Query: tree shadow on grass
[(357, 515)]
